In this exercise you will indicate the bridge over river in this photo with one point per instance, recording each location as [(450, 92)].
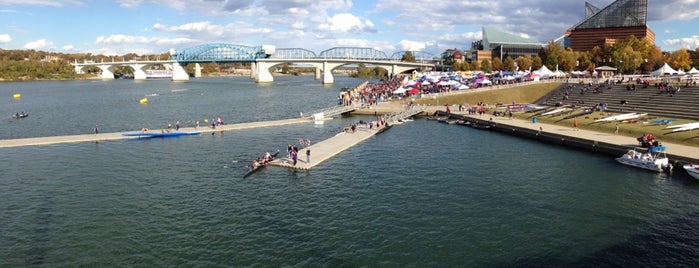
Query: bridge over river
[(263, 59)]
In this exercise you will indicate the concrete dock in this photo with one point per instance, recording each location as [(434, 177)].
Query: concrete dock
[(328, 148), (607, 143)]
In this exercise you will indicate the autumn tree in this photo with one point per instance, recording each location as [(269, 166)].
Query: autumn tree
[(680, 59), (408, 57), (508, 64), (536, 63), (524, 62), (497, 64), (485, 66)]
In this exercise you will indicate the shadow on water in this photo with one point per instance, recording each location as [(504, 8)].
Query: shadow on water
[(667, 243), (41, 230)]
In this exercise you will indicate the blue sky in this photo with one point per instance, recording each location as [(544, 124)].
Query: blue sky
[(154, 26)]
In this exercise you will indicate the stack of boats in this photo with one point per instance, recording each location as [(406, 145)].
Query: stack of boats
[(622, 117), (684, 127)]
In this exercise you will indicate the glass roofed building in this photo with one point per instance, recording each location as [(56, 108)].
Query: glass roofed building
[(617, 21), (498, 44)]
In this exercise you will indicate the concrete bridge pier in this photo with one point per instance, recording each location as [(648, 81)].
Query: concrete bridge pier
[(327, 73), (318, 72), (138, 72), (107, 71), (197, 70), (263, 73), (253, 71), (179, 73)]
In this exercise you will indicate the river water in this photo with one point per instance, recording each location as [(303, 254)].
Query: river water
[(422, 194)]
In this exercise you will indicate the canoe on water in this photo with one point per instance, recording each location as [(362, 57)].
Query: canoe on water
[(253, 170), (161, 134)]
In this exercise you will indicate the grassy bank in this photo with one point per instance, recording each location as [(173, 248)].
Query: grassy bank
[(631, 129), (524, 94), (533, 92)]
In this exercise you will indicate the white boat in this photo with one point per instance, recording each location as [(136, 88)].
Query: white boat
[(620, 117), (655, 160), (557, 111), (684, 125), (693, 170)]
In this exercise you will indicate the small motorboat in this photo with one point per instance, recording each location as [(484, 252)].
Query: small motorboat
[(693, 170), (20, 115), (655, 159)]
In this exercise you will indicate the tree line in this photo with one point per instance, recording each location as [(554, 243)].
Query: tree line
[(629, 56)]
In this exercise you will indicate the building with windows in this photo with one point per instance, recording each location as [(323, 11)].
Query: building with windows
[(498, 44), (605, 26)]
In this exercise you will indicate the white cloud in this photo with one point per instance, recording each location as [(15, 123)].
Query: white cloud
[(5, 38), (124, 39), (38, 44), (52, 3), (408, 45), (690, 43), (68, 48), (120, 39), (347, 23)]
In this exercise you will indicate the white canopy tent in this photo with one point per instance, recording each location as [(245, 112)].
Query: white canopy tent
[(543, 71), (693, 71), (666, 69)]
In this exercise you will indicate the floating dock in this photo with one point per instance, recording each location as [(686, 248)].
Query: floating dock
[(326, 149), (119, 135)]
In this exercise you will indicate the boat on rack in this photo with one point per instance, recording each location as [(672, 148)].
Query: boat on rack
[(692, 170), (164, 134), (654, 160), (261, 163)]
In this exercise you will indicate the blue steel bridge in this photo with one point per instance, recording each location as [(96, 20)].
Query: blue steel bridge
[(264, 58)]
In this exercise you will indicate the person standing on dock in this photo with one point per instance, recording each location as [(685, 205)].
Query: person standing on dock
[(97, 129), (294, 156), (616, 129), (575, 123), (177, 125), (308, 155)]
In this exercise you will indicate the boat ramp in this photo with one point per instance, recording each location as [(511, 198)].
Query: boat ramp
[(330, 112)]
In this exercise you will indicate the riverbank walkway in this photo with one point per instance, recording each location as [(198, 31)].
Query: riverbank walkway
[(685, 151), (328, 148)]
